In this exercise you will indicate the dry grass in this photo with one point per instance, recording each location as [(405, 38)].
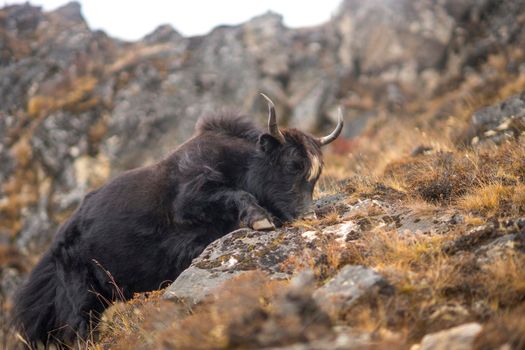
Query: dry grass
[(123, 322), (435, 287), (390, 249), (75, 96), (434, 291), (488, 182), (327, 219), (487, 200), (505, 329), (249, 311), (440, 177), (504, 279)]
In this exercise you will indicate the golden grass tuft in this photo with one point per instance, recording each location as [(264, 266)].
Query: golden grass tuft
[(486, 200), (393, 250), (487, 182), (438, 178), (504, 279), (123, 323)]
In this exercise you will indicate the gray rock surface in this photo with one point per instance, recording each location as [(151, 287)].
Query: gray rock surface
[(194, 284), (498, 123), (245, 250), (239, 251), (350, 284), (499, 248), (491, 239), (458, 338)]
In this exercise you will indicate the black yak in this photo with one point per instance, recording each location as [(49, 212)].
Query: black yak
[(143, 228)]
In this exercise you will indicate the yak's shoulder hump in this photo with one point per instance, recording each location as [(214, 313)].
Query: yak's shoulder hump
[(230, 124)]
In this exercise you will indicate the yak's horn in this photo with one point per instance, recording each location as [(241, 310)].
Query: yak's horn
[(329, 138), (273, 128)]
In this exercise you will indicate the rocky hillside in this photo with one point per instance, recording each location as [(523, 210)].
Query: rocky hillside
[(419, 236), (430, 254)]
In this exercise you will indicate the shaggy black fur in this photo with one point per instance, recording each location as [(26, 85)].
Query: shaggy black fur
[(142, 229)]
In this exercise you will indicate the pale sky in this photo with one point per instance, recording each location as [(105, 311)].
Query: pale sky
[(131, 20)]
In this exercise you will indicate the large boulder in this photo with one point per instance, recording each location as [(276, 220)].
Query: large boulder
[(240, 251)]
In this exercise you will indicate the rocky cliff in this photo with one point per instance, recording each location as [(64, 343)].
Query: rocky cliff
[(425, 176)]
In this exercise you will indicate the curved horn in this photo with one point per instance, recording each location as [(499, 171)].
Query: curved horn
[(273, 128), (329, 138)]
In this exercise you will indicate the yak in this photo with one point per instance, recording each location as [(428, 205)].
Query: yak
[(143, 228)]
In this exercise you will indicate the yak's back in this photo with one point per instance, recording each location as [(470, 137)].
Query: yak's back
[(229, 124)]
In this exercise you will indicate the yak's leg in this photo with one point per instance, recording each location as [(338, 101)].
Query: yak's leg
[(250, 212)]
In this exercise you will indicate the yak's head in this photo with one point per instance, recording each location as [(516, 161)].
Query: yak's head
[(287, 167)]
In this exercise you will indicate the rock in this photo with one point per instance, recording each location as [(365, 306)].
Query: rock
[(294, 317), (12, 267), (491, 239), (164, 33), (369, 213), (351, 283), (495, 124), (245, 250), (416, 222), (10, 279), (6, 159), (501, 247), (327, 203), (239, 251), (343, 232), (298, 315), (194, 284), (307, 110), (460, 338), (475, 237), (421, 150), (344, 339)]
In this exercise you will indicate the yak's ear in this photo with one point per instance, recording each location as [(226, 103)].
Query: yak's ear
[(267, 143)]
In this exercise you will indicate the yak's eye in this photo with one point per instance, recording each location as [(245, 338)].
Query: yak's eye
[(295, 166)]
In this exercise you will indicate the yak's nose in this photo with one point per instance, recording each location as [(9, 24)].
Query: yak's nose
[(308, 212)]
